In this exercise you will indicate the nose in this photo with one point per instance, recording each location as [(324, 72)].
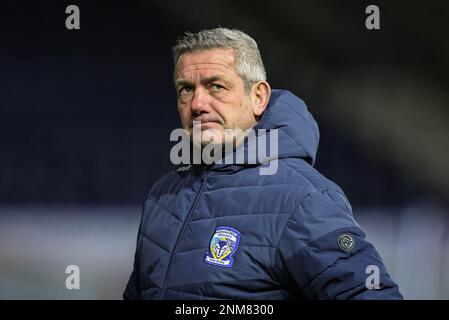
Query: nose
[(200, 103)]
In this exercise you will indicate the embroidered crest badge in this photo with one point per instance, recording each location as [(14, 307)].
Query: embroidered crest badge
[(222, 246)]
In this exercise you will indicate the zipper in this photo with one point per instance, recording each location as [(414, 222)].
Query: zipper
[(178, 241)]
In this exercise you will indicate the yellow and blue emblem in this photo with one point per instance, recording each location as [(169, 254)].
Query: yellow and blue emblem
[(222, 246)]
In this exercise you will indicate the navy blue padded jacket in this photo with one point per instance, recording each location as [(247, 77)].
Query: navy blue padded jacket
[(228, 232)]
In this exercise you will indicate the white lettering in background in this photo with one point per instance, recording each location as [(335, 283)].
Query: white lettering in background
[(73, 280), (184, 309), (372, 22), (263, 147), (373, 280), (73, 20)]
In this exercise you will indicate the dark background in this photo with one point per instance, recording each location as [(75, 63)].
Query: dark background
[(86, 115)]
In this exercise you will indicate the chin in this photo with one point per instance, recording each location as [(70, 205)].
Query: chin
[(212, 136), (208, 142)]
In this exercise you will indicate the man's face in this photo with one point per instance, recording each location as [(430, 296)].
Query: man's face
[(213, 94)]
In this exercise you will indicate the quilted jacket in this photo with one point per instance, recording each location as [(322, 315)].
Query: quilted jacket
[(225, 231)]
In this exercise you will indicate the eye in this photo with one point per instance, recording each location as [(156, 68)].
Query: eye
[(216, 86), (185, 90)]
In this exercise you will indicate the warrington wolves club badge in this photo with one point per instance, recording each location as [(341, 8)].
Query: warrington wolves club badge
[(222, 246)]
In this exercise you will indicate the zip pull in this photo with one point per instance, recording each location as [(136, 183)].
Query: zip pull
[(205, 169), (203, 175)]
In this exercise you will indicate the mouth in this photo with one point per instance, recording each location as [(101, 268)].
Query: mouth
[(210, 125), (207, 124)]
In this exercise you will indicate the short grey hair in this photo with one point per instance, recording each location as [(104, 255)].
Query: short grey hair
[(248, 62)]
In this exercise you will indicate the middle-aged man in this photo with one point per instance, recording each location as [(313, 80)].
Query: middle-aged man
[(229, 231)]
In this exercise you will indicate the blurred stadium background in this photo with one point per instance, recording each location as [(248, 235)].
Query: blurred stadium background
[(85, 119)]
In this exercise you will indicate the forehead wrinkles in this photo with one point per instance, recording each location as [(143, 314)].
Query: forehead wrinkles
[(203, 67)]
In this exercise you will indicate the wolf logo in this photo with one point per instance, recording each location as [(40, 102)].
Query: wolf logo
[(222, 246)]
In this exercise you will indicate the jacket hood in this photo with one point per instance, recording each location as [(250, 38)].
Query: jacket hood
[(298, 134)]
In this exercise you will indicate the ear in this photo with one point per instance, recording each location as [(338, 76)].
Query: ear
[(260, 96)]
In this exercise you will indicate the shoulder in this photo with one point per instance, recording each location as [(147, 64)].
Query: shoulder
[(168, 182), (302, 173), (322, 206)]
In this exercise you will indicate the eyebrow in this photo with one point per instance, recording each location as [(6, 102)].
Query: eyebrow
[(184, 82)]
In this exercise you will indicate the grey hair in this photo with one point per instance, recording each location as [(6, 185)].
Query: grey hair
[(248, 62)]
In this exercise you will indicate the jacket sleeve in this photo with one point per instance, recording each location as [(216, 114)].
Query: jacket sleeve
[(132, 290), (323, 253)]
